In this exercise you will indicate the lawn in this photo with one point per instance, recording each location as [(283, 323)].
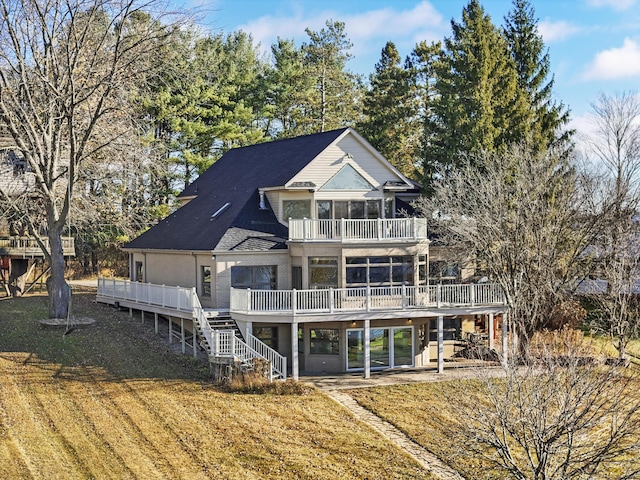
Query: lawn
[(114, 400)]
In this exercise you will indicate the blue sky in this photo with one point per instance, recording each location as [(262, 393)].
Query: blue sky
[(594, 45)]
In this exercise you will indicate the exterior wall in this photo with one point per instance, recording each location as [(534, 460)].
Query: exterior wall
[(224, 262), (330, 161), (175, 268)]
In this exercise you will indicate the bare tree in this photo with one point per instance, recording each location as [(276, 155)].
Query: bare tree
[(66, 70), (529, 218), (615, 144), (565, 416)]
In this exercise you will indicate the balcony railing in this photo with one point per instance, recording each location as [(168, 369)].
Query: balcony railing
[(347, 230), (336, 300), (29, 247)]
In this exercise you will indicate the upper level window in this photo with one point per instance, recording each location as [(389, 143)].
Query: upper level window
[(296, 209), (323, 272), (443, 272), (262, 277), (356, 209), (379, 271), (347, 179)]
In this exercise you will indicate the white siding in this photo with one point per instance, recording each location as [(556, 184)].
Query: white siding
[(329, 162)]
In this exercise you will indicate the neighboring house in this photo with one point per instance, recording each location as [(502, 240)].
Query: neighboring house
[(311, 245), (21, 257)]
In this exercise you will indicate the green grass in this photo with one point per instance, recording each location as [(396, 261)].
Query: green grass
[(113, 400)]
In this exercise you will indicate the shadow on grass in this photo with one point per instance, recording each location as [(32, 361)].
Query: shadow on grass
[(117, 346)]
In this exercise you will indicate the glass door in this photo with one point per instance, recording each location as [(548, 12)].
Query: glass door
[(403, 347), (389, 347)]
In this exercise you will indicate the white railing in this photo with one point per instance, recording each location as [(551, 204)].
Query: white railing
[(348, 230), (333, 300), (174, 298), (17, 245), (218, 343), (277, 361)]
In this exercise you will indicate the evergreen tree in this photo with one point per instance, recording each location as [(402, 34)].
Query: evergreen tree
[(335, 102), (390, 109), (545, 121), (288, 91), (477, 107)]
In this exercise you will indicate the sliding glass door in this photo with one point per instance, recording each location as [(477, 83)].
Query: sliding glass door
[(389, 347)]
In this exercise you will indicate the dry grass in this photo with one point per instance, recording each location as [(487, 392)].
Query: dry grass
[(114, 401), (428, 414)]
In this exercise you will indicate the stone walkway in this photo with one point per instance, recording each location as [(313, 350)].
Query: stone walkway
[(422, 456)]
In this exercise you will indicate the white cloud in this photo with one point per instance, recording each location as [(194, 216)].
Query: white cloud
[(616, 62), (554, 31), (387, 23), (615, 4)]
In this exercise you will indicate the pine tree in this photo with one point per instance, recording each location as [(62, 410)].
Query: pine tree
[(335, 103), (477, 108), (390, 108), (545, 121)]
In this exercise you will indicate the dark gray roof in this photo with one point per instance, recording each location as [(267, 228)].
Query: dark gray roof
[(235, 179)]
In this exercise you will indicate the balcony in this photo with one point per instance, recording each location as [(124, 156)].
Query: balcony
[(401, 299), (28, 247), (352, 231)]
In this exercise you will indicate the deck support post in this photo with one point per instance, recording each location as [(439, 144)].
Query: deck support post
[(295, 374), (367, 348), (142, 317), (170, 330), (440, 344), (155, 320), (182, 339), (491, 331), (130, 312), (194, 339), (248, 330)]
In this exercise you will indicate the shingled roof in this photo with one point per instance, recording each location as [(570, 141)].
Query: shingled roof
[(234, 179)]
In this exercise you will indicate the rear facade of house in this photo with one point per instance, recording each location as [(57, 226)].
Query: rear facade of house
[(311, 245)]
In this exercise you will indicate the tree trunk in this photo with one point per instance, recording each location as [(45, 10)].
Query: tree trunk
[(57, 287)]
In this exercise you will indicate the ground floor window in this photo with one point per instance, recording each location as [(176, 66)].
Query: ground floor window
[(267, 335), (452, 329), (389, 347), (260, 277), (325, 341)]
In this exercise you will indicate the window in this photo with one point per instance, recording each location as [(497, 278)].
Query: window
[(267, 335), (296, 209), (324, 341), (353, 209), (205, 276), (444, 272), (347, 179), (452, 328), (254, 277), (388, 208), (139, 272), (379, 271), (323, 272)]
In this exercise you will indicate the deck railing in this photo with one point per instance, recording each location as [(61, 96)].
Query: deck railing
[(348, 230), (218, 342), (333, 300), (28, 246)]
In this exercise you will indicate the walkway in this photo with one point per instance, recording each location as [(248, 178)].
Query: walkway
[(334, 387)]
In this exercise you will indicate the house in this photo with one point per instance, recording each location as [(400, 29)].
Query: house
[(21, 256), (310, 245)]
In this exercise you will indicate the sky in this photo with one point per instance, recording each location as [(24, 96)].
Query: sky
[(594, 45)]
